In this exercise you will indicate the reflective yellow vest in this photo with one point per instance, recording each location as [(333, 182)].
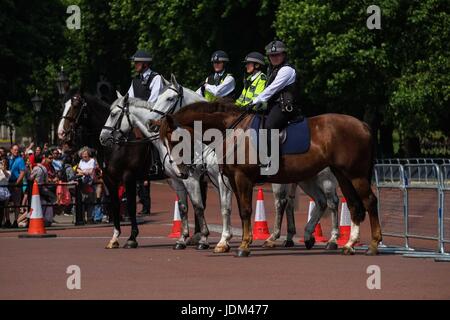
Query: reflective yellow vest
[(253, 90)]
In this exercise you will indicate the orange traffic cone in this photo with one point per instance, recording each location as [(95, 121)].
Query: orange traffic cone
[(260, 228), (36, 228), (344, 224), (318, 235), (176, 226)]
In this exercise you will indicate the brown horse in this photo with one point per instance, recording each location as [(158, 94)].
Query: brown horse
[(340, 142)]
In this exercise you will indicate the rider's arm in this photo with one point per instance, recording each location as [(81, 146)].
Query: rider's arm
[(223, 89), (155, 87), (200, 90), (285, 76)]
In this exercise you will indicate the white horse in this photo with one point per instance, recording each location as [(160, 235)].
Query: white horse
[(321, 188)]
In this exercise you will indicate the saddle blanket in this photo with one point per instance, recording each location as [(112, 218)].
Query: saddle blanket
[(298, 137)]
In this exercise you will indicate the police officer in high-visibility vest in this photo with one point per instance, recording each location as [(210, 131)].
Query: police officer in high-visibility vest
[(147, 84), (220, 83), (278, 98), (255, 81)]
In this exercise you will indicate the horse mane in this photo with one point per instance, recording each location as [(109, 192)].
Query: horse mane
[(139, 103), (220, 105)]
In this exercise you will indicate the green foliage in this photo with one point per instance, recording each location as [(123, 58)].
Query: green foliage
[(397, 76), (31, 39)]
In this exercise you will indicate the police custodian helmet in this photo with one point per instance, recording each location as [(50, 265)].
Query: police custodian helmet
[(255, 57), (219, 56), (275, 47), (141, 56)]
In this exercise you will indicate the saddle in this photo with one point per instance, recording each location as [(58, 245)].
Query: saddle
[(294, 139)]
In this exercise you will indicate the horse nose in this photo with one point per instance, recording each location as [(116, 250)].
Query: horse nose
[(103, 139)]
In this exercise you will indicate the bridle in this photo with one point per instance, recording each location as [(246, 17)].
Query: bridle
[(74, 121), (124, 112), (178, 102), (123, 138)]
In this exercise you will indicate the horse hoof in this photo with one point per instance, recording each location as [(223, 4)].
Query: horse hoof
[(130, 245), (310, 243), (243, 253), (222, 249), (371, 252), (348, 251), (179, 246), (268, 244), (288, 243), (112, 245), (194, 240), (203, 246), (331, 246)]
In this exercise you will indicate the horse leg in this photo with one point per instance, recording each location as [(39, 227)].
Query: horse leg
[(130, 187), (225, 209), (195, 239), (364, 190), (312, 189), (181, 192), (290, 219), (356, 207), (195, 195), (333, 204), (244, 191), (114, 210), (280, 198), (329, 185)]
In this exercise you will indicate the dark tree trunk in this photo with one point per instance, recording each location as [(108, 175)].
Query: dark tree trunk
[(386, 141)]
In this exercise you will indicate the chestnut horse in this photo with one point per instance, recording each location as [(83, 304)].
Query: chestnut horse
[(338, 141)]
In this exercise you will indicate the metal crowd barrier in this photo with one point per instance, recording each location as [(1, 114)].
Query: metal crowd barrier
[(414, 203), (445, 205), (392, 204)]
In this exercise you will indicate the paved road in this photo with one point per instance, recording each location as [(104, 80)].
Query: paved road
[(36, 269)]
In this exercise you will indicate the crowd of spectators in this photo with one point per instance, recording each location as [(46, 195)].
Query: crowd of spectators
[(57, 172)]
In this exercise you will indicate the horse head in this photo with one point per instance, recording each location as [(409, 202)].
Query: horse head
[(179, 144), (70, 119)]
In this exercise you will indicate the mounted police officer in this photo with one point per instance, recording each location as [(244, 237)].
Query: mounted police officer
[(219, 83), (278, 98), (255, 81), (147, 84)]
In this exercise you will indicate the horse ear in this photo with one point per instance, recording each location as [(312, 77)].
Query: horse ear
[(174, 81), (165, 82), (118, 94)]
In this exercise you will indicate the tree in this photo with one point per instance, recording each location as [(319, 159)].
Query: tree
[(381, 76), (182, 35), (31, 39)]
